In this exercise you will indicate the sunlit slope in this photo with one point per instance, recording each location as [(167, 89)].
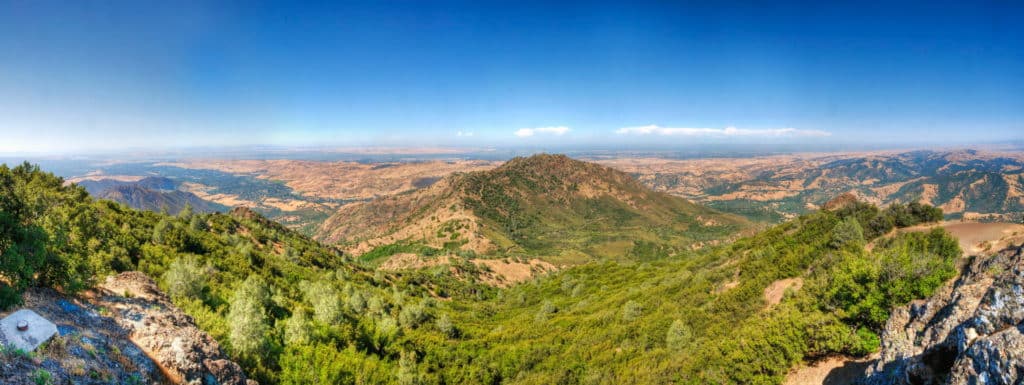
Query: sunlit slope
[(741, 313), (544, 205)]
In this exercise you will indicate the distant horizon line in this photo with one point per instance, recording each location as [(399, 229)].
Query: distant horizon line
[(264, 150)]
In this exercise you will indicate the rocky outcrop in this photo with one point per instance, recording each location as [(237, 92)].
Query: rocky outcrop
[(126, 331), (970, 332), (170, 337), (91, 348)]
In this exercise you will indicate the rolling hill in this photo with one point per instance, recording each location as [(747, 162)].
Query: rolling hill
[(151, 193), (292, 311), (551, 206), (969, 184)]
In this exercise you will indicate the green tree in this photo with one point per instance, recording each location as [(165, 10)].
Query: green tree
[(297, 328), (327, 307), (160, 231), (186, 212), (678, 335), (408, 372), (356, 302), (21, 244), (412, 316), (247, 316), (631, 310), (847, 233), (185, 278), (445, 326), (197, 223)]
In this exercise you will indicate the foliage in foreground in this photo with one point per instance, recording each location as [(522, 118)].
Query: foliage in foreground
[(295, 312)]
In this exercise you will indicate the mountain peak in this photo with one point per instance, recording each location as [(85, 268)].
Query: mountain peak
[(543, 205)]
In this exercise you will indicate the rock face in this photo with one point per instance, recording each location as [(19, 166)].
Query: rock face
[(186, 354), (123, 332), (91, 348), (971, 332)]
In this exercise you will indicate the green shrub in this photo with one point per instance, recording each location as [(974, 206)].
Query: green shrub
[(185, 278)]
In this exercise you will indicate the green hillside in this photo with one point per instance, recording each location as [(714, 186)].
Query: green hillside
[(292, 311), (549, 206)]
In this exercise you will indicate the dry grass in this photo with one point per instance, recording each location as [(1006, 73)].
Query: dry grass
[(776, 290), (838, 370), (343, 180)]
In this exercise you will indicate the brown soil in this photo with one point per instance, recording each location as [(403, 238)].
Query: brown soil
[(781, 177), (838, 370), (774, 292), (512, 272), (343, 180), (497, 272), (978, 238)]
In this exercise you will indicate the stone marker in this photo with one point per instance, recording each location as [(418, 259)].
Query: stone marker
[(26, 330)]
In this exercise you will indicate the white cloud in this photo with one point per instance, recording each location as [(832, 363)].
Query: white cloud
[(728, 131), (527, 132), (466, 133)]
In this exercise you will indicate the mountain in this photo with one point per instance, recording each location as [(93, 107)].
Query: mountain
[(290, 310), (970, 184), (97, 186), (151, 193), (155, 200), (552, 206)]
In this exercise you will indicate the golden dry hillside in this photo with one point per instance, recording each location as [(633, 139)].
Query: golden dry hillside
[(964, 183), (564, 210)]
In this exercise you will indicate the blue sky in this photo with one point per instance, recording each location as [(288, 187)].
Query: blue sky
[(106, 75)]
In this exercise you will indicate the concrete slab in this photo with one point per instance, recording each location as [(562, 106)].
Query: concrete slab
[(39, 330)]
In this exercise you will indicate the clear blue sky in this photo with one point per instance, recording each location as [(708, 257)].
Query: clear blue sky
[(109, 74)]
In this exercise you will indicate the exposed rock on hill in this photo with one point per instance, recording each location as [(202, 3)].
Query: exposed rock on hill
[(541, 205), (841, 201), (968, 333), (124, 332), (185, 353)]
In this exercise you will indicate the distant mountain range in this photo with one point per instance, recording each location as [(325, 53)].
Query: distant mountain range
[(151, 193), (560, 209), (968, 184)]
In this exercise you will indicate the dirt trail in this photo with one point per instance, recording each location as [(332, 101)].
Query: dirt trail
[(774, 292), (496, 272), (838, 370), (977, 238)]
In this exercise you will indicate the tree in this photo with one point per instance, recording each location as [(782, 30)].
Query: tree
[(296, 328), (356, 302), (185, 278), (678, 335), (186, 212), (197, 223), (327, 308), (247, 316), (20, 244), (408, 373), (412, 316), (160, 230), (446, 327), (631, 310), (847, 232), (546, 309)]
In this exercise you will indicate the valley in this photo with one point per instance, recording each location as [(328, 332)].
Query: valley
[(974, 185), (511, 193), (512, 274), (970, 184)]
